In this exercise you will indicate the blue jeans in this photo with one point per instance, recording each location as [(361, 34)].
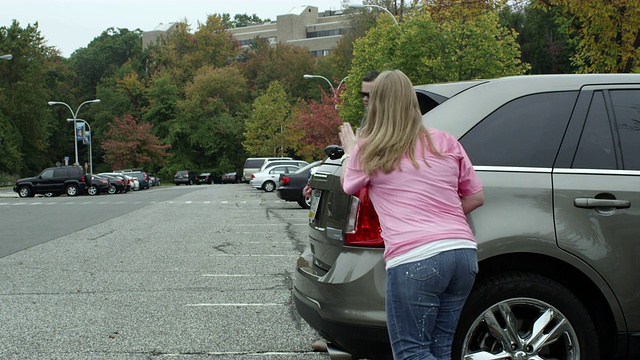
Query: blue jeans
[(424, 302)]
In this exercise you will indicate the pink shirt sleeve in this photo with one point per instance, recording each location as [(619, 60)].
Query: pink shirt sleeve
[(354, 177), (468, 181)]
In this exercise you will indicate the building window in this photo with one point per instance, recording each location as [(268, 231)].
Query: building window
[(323, 33), (321, 53)]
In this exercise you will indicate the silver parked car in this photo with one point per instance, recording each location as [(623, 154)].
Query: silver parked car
[(559, 234), (268, 178)]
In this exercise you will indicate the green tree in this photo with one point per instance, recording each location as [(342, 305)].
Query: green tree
[(460, 47), (210, 119), (243, 20), (284, 63), (264, 131), (103, 57), (544, 43), (607, 32), (26, 121)]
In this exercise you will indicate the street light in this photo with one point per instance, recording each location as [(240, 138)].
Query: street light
[(90, 141), (6, 57), (361, 6), (341, 81), (306, 76), (75, 140)]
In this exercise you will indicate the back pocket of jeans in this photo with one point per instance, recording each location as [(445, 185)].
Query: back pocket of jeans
[(423, 269)]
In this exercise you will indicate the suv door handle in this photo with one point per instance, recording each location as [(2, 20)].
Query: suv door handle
[(591, 203)]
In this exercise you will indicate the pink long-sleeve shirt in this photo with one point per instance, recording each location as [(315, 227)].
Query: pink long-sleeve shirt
[(419, 206)]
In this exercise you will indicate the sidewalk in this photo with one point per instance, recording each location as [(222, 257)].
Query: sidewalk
[(7, 192)]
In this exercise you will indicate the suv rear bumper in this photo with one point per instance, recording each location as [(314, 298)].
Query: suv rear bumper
[(369, 342), (332, 302)]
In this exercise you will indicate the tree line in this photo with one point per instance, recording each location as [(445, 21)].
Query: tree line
[(198, 100)]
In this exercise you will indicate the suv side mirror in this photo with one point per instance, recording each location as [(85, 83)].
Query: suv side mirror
[(334, 152)]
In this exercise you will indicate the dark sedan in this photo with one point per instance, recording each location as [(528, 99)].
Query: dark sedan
[(117, 184), (290, 185), (99, 185), (208, 178), (231, 178)]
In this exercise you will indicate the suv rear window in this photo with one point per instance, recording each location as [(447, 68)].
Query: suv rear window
[(254, 164), (525, 132)]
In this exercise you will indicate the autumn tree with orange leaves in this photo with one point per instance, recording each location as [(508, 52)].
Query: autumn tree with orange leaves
[(131, 144)]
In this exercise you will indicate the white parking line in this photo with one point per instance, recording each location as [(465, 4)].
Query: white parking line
[(254, 255), (240, 275), (236, 304), (279, 354)]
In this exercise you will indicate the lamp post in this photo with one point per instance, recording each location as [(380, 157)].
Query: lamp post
[(6, 57), (81, 121), (75, 115), (341, 81), (361, 6), (307, 76)]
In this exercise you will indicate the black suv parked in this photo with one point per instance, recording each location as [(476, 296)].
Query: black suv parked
[(67, 179), (558, 249), (187, 177)]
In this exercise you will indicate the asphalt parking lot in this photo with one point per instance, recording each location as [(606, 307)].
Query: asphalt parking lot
[(206, 274)]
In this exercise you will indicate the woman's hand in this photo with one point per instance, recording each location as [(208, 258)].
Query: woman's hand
[(347, 137)]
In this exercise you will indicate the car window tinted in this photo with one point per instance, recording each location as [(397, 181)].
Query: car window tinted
[(626, 107), (255, 163), (596, 148), (525, 132), (59, 173), (47, 174)]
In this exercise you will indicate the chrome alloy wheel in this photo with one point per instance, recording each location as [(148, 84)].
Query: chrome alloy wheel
[(521, 329)]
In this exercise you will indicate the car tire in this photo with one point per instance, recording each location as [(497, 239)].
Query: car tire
[(305, 202), (72, 190), (269, 186), (527, 302), (25, 191), (93, 190), (112, 190)]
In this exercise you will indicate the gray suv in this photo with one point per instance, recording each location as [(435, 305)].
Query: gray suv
[(559, 234)]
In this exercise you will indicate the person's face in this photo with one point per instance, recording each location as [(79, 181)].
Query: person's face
[(365, 89)]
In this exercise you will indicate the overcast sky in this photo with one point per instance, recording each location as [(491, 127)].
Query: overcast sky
[(72, 24)]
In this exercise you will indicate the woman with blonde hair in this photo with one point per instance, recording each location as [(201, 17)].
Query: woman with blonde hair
[(422, 185)]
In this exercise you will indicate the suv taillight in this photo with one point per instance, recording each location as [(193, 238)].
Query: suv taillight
[(285, 180), (363, 226), (82, 179)]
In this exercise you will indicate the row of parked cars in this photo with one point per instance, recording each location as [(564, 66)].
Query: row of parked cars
[(286, 176), (71, 180), (192, 177)]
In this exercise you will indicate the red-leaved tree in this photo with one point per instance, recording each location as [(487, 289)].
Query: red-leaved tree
[(319, 123), (132, 144)]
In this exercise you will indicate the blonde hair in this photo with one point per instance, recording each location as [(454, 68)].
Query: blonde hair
[(394, 125)]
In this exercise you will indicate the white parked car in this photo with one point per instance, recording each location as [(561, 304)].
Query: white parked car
[(268, 178)]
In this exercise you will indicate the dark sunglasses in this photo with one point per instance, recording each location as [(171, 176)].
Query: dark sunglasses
[(364, 94)]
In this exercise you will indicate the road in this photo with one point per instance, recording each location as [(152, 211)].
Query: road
[(175, 272)]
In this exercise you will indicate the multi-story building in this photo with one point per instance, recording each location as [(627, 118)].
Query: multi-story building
[(302, 26), (150, 37)]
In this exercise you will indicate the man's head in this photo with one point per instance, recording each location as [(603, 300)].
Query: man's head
[(366, 86)]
